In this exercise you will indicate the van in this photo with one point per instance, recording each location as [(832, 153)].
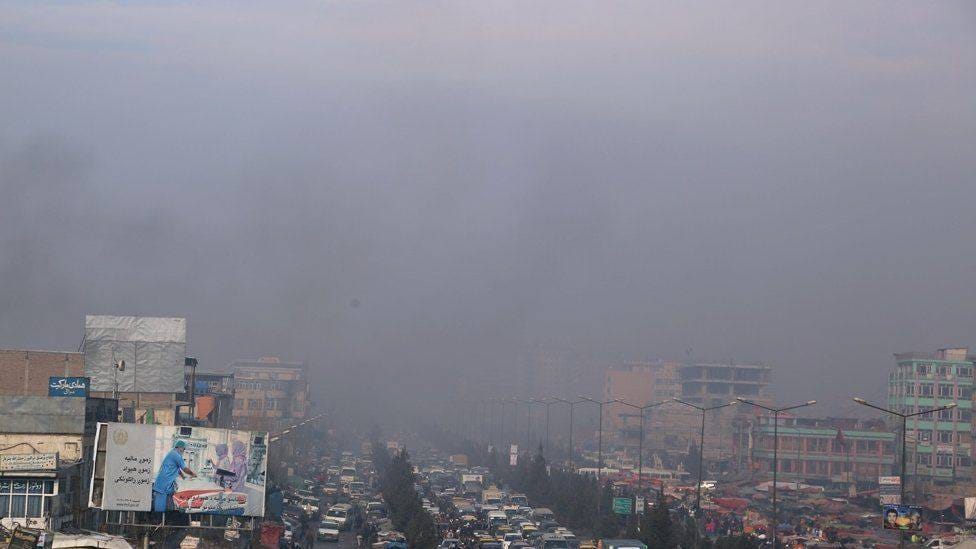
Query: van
[(341, 514), (541, 513)]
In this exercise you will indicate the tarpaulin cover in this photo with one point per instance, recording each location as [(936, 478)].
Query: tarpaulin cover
[(41, 414), (970, 508), (154, 351)]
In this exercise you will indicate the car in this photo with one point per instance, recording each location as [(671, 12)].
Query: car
[(451, 544), (328, 531), (341, 514), (508, 538)]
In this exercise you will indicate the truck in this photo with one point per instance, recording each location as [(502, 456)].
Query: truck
[(471, 485), (492, 496)]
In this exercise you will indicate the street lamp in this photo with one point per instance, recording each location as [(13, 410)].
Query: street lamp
[(775, 412), (547, 404), (640, 446), (572, 404), (904, 431), (599, 459), (528, 424), (701, 443)]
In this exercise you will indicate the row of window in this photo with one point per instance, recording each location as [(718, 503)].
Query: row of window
[(25, 498), (943, 370), (941, 415), (260, 385), (943, 390), (945, 460), (259, 404)]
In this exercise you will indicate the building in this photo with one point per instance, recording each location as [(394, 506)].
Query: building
[(45, 448), (28, 373), (640, 384), (824, 450), (212, 399), (269, 393), (716, 384), (920, 381)]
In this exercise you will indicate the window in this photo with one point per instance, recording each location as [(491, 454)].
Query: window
[(945, 415), (945, 436), (943, 371), (965, 371), (925, 389), (25, 498), (922, 368), (925, 436), (255, 404), (965, 393), (945, 390), (964, 461), (910, 389), (964, 415), (943, 460), (925, 459)]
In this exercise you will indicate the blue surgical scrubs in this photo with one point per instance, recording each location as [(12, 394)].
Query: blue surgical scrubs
[(165, 483)]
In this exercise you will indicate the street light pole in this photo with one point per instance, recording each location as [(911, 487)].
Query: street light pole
[(599, 459), (572, 404), (701, 444), (904, 431), (640, 445), (547, 404), (775, 412)]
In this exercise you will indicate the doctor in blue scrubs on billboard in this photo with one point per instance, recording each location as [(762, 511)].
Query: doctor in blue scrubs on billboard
[(165, 485)]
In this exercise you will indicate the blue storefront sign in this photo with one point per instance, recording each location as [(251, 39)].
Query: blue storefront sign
[(68, 386)]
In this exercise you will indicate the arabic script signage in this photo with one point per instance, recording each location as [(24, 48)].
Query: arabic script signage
[(68, 386), (28, 462)]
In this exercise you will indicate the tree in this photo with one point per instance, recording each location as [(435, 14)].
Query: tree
[(608, 524), (657, 530), (421, 532)]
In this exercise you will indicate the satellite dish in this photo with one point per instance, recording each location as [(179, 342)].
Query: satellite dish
[(120, 365)]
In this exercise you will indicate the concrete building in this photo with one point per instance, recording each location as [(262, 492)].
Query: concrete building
[(269, 393), (45, 459), (639, 383), (716, 384), (26, 373), (824, 450), (944, 449)]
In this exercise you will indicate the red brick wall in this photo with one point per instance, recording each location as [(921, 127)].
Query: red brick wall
[(27, 372)]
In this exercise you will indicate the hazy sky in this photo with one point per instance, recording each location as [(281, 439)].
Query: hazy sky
[(791, 182)]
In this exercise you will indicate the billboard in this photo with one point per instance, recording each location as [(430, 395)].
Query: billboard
[(889, 490), (187, 469), (68, 386), (907, 518), (154, 351)]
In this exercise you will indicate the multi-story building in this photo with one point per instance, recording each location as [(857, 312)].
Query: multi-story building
[(924, 381), (831, 450), (269, 393), (716, 384), (640, 384)]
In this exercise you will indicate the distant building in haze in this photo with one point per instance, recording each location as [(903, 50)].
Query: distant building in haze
[(269, 393)]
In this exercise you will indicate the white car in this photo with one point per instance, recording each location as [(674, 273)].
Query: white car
[(328, 531), (509, 538)]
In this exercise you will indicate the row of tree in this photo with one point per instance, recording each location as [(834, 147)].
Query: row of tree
[(402, 500), (584, 506)]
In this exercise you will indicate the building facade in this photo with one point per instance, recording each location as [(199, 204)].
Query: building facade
[(830, 450), (269, 393), (27, 373), (940, 444)]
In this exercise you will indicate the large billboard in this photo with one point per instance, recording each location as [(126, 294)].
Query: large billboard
[(907, 518), (188, 469), (154, 351)]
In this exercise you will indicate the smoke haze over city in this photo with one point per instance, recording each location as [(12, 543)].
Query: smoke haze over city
[(404, 194)]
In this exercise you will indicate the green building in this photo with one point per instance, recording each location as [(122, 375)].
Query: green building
[(940, 445)]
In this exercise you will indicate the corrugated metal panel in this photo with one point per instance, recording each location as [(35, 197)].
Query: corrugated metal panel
[(36, 414), (154, 351)]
